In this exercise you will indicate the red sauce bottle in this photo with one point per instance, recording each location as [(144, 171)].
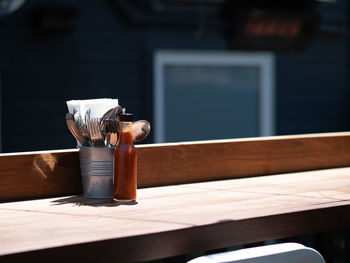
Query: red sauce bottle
[(125, 162)]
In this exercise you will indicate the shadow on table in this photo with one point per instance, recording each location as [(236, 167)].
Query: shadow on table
[(80, 200)]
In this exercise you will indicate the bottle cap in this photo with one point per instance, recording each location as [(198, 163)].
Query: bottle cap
[(126, 117)]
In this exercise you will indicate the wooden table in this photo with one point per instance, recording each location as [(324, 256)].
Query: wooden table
[(177, 219), (195, 196)]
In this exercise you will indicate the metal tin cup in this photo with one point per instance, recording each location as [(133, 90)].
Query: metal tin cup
[(96, 165)]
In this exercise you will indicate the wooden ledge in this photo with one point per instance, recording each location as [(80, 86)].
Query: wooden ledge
[(175, 220), (31, 175)]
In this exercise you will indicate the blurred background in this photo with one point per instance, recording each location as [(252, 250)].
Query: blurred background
[(195, 69)]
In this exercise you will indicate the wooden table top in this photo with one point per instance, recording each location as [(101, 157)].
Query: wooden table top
[(177, 219)]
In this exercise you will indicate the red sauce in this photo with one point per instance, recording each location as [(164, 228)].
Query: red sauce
[(125, 168)]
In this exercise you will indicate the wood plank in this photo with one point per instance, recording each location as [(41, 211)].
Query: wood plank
[(31, 175), (173, 220), (211, 160), (194, 239), (39, 174)]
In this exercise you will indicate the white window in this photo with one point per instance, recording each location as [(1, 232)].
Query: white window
[(213, 95)]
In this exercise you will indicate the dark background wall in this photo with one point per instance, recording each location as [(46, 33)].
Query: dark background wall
[(106, 56), (312, 87)]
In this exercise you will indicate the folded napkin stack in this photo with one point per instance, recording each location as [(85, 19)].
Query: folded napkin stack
[(97, 107)]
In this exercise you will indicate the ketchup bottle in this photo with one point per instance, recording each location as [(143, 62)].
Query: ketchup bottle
[(125, 162)]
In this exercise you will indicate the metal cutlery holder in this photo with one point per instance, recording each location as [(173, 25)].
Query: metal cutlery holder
[(96, 165)]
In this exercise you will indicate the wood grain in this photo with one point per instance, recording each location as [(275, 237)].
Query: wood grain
[(175, 220), (55, 173), (31, 175), (202, 161)]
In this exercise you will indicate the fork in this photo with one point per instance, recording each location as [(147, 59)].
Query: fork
[(93, 127)]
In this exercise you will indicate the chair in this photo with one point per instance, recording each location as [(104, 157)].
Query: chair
[(278, 253)]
